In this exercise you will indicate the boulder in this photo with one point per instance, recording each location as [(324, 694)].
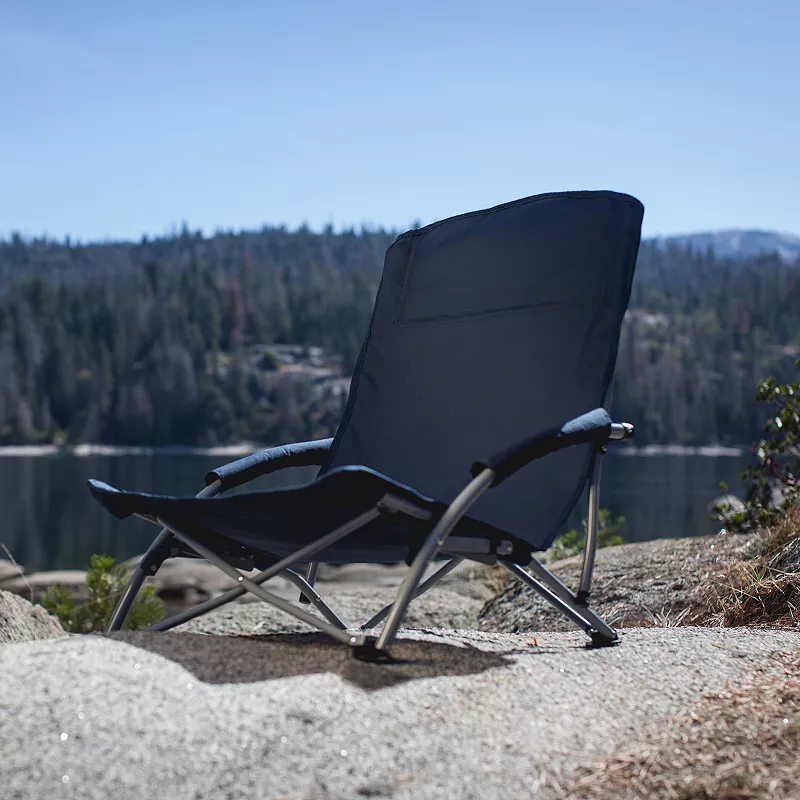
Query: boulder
[(8, 570), (21, 621), (40, 582), (636, 584)]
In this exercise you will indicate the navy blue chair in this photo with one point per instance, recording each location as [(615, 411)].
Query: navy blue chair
[(475, 420)]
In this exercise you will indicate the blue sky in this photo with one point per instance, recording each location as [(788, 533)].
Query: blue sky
[(119, 119)]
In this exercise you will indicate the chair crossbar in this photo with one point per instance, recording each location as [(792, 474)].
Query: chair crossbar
[(304, 553), (551, 581), (580, 600), (237, 591), (259, 591), (314, 598), (279, 568), (549, 595), (423, 587), (549, 587), (307, 591)]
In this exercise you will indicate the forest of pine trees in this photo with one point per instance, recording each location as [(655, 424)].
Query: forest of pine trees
[(153, 343)]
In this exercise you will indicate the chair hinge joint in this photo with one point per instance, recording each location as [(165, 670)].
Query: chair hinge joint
[(153, 560)]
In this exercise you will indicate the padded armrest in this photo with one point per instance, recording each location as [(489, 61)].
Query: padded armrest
[(596, 426), (300, 454)]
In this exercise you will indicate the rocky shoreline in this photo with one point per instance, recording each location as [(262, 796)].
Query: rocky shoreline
[(247, 702), (642, 584), (357, 590), (22, 621), (462, 714)]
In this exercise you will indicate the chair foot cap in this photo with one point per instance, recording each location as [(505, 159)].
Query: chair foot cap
[(598, 640), (366, 650)]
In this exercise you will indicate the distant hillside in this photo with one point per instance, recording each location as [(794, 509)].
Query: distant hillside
[(193, 340), (736, 243)]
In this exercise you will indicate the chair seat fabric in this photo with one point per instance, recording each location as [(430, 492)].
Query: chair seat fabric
[(275, 523)]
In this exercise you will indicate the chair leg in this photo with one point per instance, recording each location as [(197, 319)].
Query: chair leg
[(120, 613), (148, 566), (430, 547), (575, 606), (592, 524), (312, 597), (548, 586)]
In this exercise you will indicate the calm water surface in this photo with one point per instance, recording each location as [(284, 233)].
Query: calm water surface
[(49, 520)]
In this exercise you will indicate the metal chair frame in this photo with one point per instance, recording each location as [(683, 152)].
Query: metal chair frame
[(365, 645)]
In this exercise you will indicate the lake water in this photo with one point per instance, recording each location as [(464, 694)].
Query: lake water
[(48, 519)]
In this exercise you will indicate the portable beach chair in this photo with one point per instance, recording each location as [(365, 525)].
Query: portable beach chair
[(490, 353)]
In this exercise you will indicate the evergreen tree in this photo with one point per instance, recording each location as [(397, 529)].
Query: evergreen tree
[(167, 340)]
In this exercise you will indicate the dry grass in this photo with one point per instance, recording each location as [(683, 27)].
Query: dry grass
[(758, 591), (772, 541), (742, 743)]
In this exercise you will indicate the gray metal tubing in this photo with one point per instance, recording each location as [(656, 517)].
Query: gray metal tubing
[(436, 538), (259, 591), (232, 594), (308, 591), (281, 566), (135, 582), (320, 544), (603, 628), (585, 585), (421, 589), (311, 577), (197, 610), (551, 596), (621, 430), (550, 580), (546, 578), (138, 575)]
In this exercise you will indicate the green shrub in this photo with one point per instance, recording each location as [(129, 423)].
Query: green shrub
[(105, 582), (777, 463), (609, 532)]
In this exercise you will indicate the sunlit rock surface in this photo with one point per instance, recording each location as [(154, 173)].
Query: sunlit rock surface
[(21, 621)]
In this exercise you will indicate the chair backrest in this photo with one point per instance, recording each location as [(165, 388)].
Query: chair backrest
[(487, 328)]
